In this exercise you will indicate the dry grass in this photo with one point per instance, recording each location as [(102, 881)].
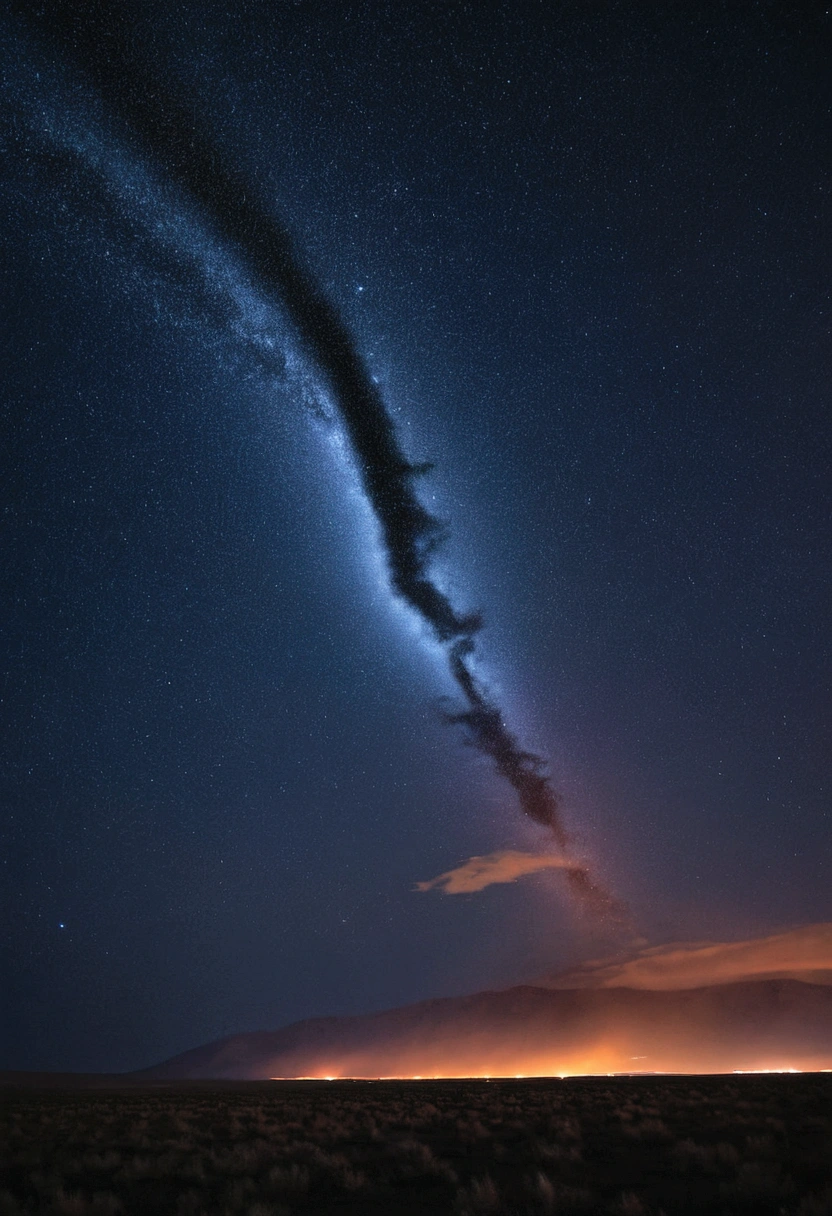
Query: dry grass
[(627, 1146)]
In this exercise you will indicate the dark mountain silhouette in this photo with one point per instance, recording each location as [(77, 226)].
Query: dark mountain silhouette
[(763, 1024)]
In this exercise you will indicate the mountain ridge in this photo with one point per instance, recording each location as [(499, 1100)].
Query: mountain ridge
[(533, 1030)]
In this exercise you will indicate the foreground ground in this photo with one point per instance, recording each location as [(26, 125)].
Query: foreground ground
[(697, 1145)]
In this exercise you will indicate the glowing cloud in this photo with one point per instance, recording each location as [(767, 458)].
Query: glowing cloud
[(477, 873), (802, 953)]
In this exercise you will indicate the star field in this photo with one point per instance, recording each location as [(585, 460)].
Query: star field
[(583, 256)]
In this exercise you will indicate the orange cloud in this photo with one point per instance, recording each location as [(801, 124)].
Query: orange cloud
[(505, 866), (804, 953)]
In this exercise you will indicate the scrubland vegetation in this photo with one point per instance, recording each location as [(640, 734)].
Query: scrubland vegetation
[(619, 1146)]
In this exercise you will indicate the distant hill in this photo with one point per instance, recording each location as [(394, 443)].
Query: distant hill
[(762, 1024)]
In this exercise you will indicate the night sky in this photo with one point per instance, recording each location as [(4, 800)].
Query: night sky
[(578, 254)]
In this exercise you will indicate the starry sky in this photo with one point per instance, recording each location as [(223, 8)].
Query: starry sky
[(581, 252)]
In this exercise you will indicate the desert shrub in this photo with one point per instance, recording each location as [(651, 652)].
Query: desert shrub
[(816, 1205), (415, 1159), (341, 1173), (105, 1203), (758, 1180), (480, 1197), (760, 1147), (239, 1194), (556, 1152), (543, 1188), (550, 1195), (105, 1162), (245, 1157), (69, 1203), (647, 1129), (567, 1128), (629, 1204), (290, 1179), (45, 1185), (726, 1154), (189, 1204), (692, 1156), (520, 1148), (470, 1129)]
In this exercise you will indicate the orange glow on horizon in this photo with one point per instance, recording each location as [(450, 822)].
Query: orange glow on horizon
[(514, 1052), (603, 1063), (772, 1026), (565, 1076)]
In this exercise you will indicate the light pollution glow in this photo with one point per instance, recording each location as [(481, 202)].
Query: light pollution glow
[(563, 1076), (767, 1008), (669, 1046), (606, 1060)]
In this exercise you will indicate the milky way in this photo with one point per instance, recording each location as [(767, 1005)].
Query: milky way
[(169, 135)]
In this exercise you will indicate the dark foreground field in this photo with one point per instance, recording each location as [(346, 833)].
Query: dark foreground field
[(737, 1144)]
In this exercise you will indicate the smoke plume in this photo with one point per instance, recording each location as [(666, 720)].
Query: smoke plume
[(110, 51)]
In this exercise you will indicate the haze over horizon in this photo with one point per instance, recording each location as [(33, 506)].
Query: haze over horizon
[(575, 262)]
